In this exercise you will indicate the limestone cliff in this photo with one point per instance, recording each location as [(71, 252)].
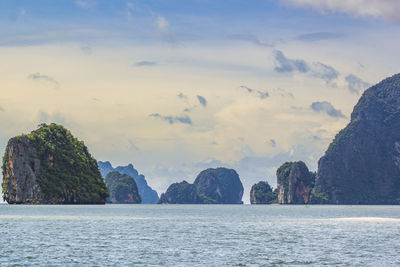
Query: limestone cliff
[(362, 164), (50, 166), (122, 188), (212, 186), (294, 182)]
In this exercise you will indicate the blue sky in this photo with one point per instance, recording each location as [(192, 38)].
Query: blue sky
[(178, 86)]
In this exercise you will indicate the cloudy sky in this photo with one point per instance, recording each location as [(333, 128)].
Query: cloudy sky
[(178, 86)]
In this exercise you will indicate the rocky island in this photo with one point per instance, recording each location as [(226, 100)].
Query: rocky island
[(147, 194), (122, 188), (294, 183), (362, 164), (262, 193), (50, 166), (212, 186)]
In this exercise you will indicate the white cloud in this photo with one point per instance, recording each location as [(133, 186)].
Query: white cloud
[(162, 23), (386, 9)]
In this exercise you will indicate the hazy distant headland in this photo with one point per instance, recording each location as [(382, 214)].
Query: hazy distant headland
[(360, 166), (147, 194)]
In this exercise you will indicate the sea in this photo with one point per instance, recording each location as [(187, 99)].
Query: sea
[(199, 235)]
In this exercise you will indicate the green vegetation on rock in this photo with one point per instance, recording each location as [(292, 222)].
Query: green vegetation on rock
[(180, 193), (122, 188), (261, 193), (60, 165), (294, 182), (362, 164), (212, 186)]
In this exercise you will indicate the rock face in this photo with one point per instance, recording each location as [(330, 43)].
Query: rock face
[(261, 193), (147, 194), (180, 193), (219, 186), (122, 188), (50, 166), (294, 182), (212, 186), (362, 164)]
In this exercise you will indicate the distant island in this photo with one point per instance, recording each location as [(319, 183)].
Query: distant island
[(212, 186), (360, 166), (147, 194), (123, 189), (50, 166)]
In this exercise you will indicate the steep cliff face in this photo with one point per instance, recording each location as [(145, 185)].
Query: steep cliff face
[(294, 182), (122, 188), (21, 166), (147, 194), (362, 164), (50, 166), (219, 186), (212, 186), (261, 193)]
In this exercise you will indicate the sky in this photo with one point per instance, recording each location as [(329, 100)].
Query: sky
[(178, 86)]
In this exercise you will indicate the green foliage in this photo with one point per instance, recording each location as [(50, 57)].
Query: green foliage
[(212, 186), (122, 187), (70, 174), (180, 193), (283, 176), (219, 185), (263, 194), (359, 166)]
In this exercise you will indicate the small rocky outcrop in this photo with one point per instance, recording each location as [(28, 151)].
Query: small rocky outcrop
[(294, 182), (147, 194), (212, 186), (262, 193), (180, 193), (50, 166), (122, 188), (362, 164)]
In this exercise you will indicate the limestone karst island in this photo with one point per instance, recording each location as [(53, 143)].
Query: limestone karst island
[(360, 166), (199, 133)]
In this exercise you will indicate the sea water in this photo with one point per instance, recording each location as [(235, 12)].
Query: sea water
[(199, 235)]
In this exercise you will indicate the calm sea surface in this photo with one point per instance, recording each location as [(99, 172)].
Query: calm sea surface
[(199, 235)]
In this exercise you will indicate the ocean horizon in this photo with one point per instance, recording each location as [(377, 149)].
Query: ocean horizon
[(199, 235)]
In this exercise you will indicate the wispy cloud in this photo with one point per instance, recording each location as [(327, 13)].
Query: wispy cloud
[(318, 36), (315, 69), (386, 9), (355, 84), (281, 92), (249, 38), (327, 108), (85, 4), (173, 119), (145, 63), (2, 109), (86, 49), (284, 64), (258, 93), (163, 28), (202, 100), (129, 8), (40, 77), (182, 96)]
